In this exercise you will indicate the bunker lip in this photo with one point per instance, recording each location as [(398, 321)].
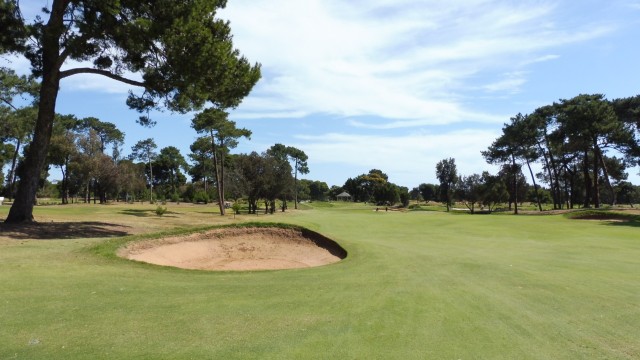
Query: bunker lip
[(238, 249)]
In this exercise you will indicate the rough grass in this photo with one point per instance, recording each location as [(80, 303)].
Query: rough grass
[(415, 285)]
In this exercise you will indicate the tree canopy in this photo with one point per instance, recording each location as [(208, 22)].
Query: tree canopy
[(177, 52)]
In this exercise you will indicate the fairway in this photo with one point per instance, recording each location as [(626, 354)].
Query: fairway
[(415, 285)]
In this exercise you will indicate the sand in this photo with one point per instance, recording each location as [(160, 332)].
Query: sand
[(238, 249)]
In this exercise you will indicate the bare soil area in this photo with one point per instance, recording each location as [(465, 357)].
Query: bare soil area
[(238, 249)]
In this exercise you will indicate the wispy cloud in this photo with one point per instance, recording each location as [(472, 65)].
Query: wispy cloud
[(407, 60), (360, 153), (510, 83)]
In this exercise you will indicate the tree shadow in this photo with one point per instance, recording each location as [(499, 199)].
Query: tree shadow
[(631, 223), (138, 213), (146, 213), (62, 230)]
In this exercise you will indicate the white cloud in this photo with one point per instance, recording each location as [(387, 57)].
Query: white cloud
[(406, 60), (409, 159), (511, 83)]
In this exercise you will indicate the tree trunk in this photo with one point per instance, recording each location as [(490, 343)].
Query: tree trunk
[(606, 178), (551, 171), (515, 184), (22, 208), (12, 172), (295, 171), (219, 184), (221, 189), (64, 193), (150, 177), (535, 186), (596, 172), (587, 180)]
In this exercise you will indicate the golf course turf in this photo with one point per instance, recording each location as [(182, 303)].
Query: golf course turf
[(415, 285)]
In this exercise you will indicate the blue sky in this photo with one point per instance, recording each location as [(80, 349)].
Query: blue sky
[(396, 85)]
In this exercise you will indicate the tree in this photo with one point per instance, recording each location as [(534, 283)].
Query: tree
[(447, 174), (590, 126), (16, 124), (223, 136), (471, 190), (63, 148), (131, 181), (107, 132), (318, 190), (17, 127), (494, 192), (334, 191), (183, 52), (299, 159), (143, 151), (428, 192), (168, 165), (263, 176), (202, 161)]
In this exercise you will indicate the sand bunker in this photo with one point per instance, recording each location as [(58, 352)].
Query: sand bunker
[(238, 249)]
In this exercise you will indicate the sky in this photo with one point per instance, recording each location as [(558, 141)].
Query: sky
[(395, 85)]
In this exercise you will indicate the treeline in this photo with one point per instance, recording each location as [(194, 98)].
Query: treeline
[(584, 146)]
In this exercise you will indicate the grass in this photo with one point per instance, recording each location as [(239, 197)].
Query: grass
[(415, 285)]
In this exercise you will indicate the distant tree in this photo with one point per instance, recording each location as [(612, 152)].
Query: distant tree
[(144, 150), (264, 176), (628, 193), (518, 143), (63, 148), (223, 136), (415, 195), (168, 167), (591, 127), (516, 183), (318, 190), (252, 176), (334, 191), (429, 192), (304, 189), (299, 159), (471, 189), (200, 155), (16, 122), (447, 174), (183, 52), (17, 129), (494, 192), (403, 193)]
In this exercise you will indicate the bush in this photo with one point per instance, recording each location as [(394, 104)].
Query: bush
[(160, 210), (236, 207), (200, 197)]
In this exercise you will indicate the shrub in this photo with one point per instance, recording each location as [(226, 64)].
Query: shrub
[(160, 210), (200, 197), (236, 207)]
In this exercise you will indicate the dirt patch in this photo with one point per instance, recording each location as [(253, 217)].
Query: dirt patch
[(238, 249)]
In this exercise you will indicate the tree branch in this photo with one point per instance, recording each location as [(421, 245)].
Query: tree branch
[(8, 103), (66, 73)]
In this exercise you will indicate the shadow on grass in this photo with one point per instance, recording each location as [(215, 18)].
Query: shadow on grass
[(146, 213), (631, 223), (138, 213), (62, 230)]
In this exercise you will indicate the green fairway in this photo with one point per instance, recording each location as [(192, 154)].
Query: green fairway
[(415, 285)]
